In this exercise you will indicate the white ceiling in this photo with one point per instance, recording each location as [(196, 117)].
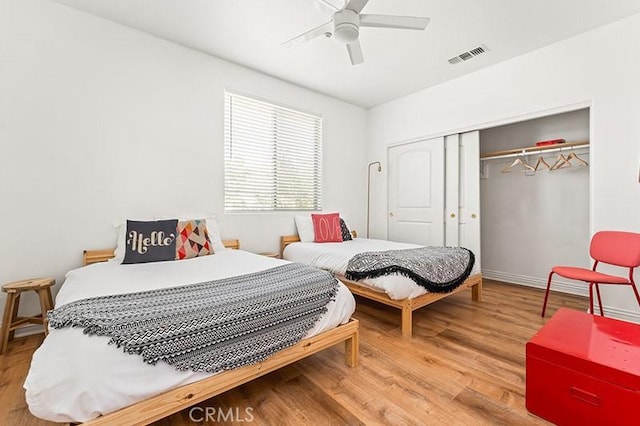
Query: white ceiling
[(397, 62)]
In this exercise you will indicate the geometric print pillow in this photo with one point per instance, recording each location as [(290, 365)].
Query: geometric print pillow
[(192, 239)]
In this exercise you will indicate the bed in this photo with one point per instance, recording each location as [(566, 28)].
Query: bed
[(98, 383), (395, 290)]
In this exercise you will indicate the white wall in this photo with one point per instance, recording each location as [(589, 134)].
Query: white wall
[(99, 123), (594, 68), (533, 220)]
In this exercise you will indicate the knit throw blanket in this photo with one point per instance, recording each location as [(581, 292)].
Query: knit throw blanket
[(438, 269), (209, 326)]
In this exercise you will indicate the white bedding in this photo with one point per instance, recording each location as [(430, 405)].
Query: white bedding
[(77, 377), (334, 257)]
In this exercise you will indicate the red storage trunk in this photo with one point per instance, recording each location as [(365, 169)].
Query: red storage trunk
[(584, 369)]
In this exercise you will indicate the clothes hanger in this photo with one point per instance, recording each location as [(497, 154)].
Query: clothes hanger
[(578, 159), (561, 162), (517, 161), (540, 163)]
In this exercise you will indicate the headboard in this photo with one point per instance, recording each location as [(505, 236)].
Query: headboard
[(95, 256), (285, 240)]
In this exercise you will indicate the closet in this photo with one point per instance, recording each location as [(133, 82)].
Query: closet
[(523, 207), (534, 201)]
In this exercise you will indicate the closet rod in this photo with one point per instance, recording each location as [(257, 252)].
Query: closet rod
[(529, 151)]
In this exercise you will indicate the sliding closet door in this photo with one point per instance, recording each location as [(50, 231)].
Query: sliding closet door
[(452, 190), (469, 194), (462, 187), (416, 192)]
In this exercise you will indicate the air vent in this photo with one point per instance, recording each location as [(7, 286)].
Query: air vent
[(468, 55)]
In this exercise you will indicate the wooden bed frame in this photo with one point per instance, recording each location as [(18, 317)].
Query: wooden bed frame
[(174, 400), (474, 282)]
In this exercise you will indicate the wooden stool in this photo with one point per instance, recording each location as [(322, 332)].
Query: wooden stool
[(11, 321)]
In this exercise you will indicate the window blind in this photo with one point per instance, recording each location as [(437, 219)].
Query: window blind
[(273, 157)]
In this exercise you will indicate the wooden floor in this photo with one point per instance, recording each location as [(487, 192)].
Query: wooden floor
[(464, 366)]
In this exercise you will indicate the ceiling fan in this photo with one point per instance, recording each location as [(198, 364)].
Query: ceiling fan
[(346, 22)]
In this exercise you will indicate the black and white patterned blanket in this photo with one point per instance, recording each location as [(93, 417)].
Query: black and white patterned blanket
[(209, 326), (438, 269)]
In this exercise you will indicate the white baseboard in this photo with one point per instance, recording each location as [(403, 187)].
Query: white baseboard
[(561, 286), (621, 314), (28, 330)]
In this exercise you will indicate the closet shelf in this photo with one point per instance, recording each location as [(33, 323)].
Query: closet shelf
[(508, 153)]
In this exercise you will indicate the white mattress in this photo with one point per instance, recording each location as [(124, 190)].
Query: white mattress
[(77, 377), (334, 257)]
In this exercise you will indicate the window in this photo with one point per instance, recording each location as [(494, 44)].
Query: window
[(272, 157)]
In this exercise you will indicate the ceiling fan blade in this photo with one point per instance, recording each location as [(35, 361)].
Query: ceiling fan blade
[(317, 31), (329, 6), (356, 5), (355, 52), (392, 21)]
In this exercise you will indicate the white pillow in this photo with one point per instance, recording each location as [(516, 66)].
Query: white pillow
[(212, 227), (305, 228), (214, 233), (120, 229)]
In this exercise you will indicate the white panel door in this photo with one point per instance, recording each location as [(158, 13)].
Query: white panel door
[(416, 192), (469, 194)]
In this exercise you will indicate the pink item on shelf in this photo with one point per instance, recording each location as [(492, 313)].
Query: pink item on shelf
[(550, 142)]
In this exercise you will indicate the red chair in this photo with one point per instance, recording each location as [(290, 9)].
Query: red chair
[(610, 247)]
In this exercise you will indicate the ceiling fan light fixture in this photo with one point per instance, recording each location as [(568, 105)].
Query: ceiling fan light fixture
[(346, 33), (346, 26)]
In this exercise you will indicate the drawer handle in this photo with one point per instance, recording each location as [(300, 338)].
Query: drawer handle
[(584, 396)]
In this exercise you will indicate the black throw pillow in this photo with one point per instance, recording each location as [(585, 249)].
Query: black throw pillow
[(153, 241), (346, 234)]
